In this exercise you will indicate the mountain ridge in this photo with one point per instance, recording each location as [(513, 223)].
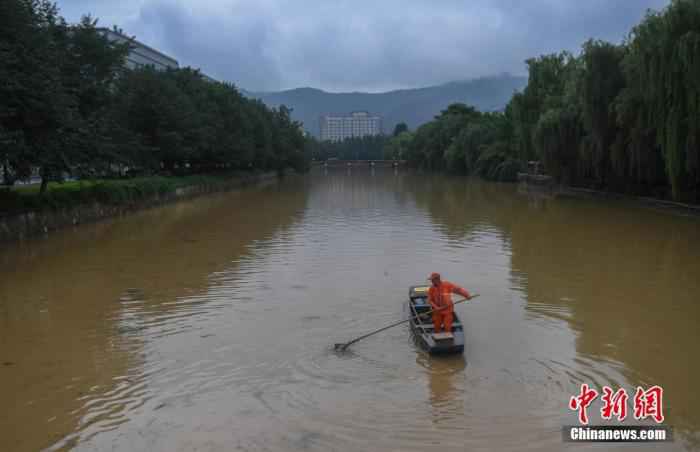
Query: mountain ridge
[(414, 106)]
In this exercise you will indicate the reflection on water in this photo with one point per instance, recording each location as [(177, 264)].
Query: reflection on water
[(446, 385), (74, 308), (208, 323)]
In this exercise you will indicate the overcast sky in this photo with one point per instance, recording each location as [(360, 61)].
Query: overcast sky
[(361, 45)]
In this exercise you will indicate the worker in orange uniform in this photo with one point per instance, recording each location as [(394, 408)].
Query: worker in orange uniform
[(441, 302)]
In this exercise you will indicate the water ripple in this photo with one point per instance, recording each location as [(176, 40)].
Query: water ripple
[(224, 341)]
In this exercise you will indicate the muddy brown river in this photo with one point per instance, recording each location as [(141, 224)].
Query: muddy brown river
[(208, 324)]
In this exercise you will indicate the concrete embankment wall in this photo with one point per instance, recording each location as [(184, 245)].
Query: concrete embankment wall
[(28, 224)]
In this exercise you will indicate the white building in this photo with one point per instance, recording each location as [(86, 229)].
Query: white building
[(206, 78), (140, 54), (358, 124)]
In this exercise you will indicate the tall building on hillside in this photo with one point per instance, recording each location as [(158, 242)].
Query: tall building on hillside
[(140, 54), (358, 124)]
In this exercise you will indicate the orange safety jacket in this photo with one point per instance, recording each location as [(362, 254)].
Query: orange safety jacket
[(440, 297)]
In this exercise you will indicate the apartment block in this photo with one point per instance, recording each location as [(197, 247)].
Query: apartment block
[(357, 124)]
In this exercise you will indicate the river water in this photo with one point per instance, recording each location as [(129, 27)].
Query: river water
[(208, 324)]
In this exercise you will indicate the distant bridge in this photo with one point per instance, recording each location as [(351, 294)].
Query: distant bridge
[(330, 163)]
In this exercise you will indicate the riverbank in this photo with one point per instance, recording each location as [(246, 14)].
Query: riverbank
[(642, 201), (24, 213)]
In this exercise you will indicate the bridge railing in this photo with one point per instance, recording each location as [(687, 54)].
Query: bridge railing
[(359, 163)]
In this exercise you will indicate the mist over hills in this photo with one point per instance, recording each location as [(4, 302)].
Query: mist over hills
[(412, 106)]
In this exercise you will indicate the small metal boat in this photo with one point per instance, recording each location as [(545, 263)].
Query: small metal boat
[(422, 325)]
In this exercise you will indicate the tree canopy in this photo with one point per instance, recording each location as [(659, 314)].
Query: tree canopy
[(616, 117), (370, 147), (68, 106)]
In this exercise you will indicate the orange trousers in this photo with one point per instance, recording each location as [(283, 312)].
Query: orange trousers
[(440, 318)]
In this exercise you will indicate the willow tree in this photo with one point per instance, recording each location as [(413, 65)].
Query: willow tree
[(417, 152), (558, 137), (600, 80), (664, 56), (430, 147), (462, 152), (447, 152), (636, 145), (499, 158), (547, 77), (497, 161)]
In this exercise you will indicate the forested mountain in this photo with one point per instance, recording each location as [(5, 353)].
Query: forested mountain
[(412, 106)]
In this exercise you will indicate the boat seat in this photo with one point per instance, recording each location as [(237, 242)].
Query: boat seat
[(430, 325), (430, 328), (443, 336)]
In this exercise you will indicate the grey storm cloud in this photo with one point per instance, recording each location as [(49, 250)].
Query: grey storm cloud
[(360, 44)]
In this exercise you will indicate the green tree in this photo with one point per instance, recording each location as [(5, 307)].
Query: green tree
[(546, 81), (397, 147), (40, 119), (558, 136), (400, 128), (662, 66), (600, 82)]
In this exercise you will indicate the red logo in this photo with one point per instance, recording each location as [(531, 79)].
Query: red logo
[(615, 404), (647, 403), (581, 402)]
